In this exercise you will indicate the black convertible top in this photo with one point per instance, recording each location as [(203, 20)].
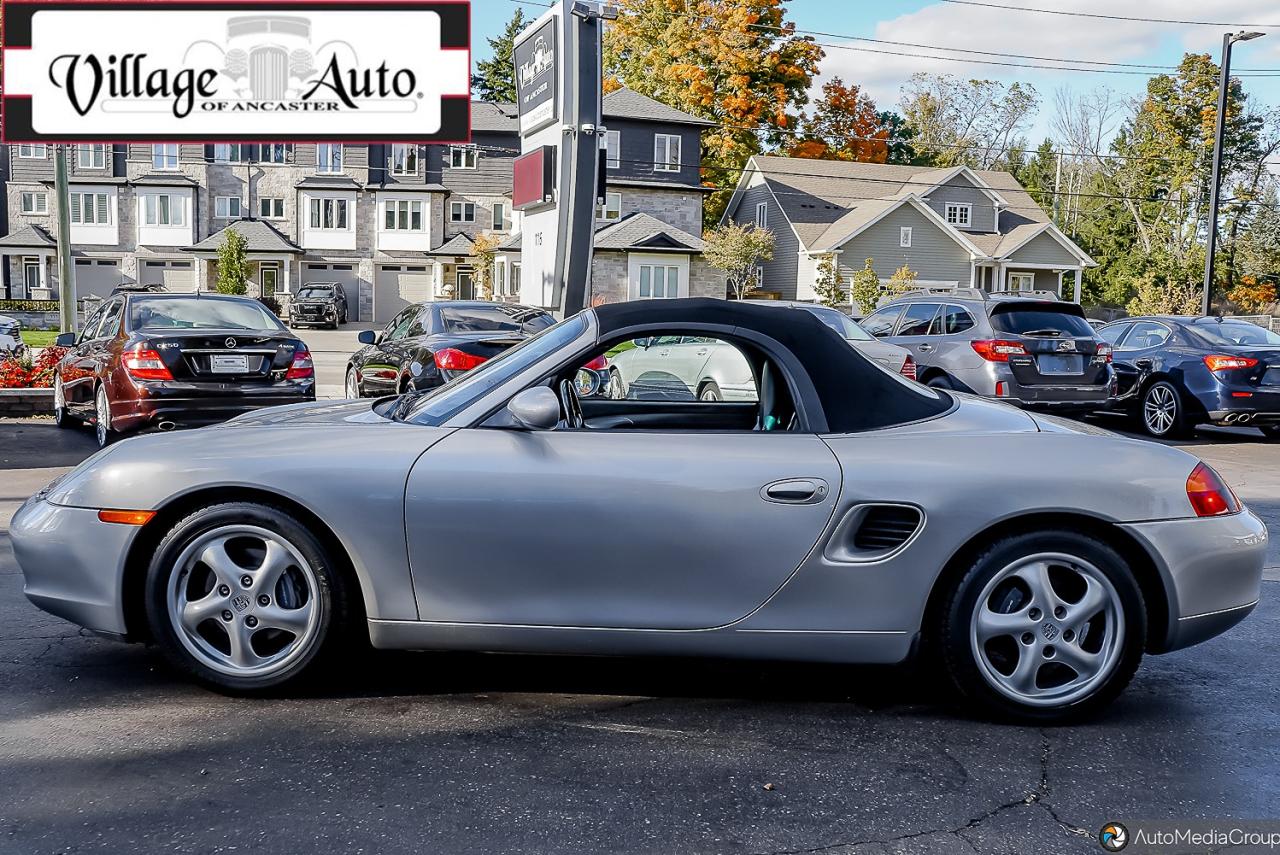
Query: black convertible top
[(854, 394)]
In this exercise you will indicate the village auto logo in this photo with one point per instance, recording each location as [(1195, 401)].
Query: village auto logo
[(190, 69)]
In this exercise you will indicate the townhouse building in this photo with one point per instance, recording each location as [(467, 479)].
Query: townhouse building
[(393, 224)]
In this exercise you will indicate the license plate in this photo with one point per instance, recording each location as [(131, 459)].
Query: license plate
[(1054, 364), (236, 364)]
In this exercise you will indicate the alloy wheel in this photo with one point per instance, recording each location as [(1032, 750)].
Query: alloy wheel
[(243, 601), (102, 417), (1160, 409), (613, 387), (59, 400), (1047, 630), (353, 385)]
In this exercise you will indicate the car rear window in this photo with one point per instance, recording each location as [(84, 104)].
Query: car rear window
[(1052, 319), (213, 313), (493, 319), (841, 323), (1230, 333)]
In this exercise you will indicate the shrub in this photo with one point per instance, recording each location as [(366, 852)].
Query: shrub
[(23, 373), (271, 303), (29, 305)]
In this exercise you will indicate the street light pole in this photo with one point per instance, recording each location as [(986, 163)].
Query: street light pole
[(1224, 83)]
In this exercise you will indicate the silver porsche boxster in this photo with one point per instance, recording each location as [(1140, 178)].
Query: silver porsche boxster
[(843, 514)]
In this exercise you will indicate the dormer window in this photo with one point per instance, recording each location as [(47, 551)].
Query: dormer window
[(404, 160), (462, 157), (958, 215)]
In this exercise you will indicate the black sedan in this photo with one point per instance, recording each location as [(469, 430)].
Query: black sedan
[(429, 344), (1177, 372)]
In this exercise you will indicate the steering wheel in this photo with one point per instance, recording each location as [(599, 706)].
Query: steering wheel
[(572, 406)]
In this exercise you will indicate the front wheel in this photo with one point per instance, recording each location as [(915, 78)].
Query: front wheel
[(1044, 627), (614, 388), (245, 597), (353, 385)]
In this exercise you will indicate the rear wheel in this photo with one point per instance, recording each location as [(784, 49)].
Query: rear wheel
[(245, 597), (61, 417), (1163, 413), (1270, 432), (939, 381), (1044, 627), (102, 418), (710, 391)]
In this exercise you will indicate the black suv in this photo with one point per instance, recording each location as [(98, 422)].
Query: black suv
[(319, 304)]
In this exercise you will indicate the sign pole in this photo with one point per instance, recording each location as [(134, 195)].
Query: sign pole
[(66, 271)]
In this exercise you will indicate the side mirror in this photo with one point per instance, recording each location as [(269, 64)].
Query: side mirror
[(66, 339), (367, 337), (535, 409)]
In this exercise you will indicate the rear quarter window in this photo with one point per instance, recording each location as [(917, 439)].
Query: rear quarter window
[(1025, 320)]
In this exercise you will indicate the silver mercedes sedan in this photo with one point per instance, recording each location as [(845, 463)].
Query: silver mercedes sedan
[(843, 515)]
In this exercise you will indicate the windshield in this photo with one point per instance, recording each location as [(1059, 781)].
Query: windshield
[(1040, 319), (841, 323), (495, 318), (315, 292), (214, 313), (1231, 333), (434, 406)]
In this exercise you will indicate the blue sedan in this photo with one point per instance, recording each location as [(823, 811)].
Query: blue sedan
[(1174, 373)]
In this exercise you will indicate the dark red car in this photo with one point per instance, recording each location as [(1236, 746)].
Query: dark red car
[(160, 360)]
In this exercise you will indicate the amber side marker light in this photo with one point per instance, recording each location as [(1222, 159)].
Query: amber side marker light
[(126, 517)]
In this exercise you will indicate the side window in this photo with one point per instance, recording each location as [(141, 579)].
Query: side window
[(400, 324), (91, 324), (1112, 333), (881, 323), (110, 324), (1146, 334), (954, 319), (421, 322), (917, 319), (643, 369)]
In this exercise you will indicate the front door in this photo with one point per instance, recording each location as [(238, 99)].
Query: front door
[(466, 284), (30, 276), (270, 279), (620, 529)]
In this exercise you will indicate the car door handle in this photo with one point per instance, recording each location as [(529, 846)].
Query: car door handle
[(926, 347), (795, 491)]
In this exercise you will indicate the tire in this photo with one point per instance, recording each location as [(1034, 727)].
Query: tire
[(352, 385), (61, 415), (267, 643), (1163, 413), (992, 638), (102, 417), (614, 388), (939, 381), (710, 391), (1270, 432)]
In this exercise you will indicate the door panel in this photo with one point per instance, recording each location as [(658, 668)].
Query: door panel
[(586, 528)]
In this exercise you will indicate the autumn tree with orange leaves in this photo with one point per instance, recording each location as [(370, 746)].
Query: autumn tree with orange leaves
[(738, 63), (845, 125)]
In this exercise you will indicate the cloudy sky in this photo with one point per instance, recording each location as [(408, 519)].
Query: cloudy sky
[(959, 26)]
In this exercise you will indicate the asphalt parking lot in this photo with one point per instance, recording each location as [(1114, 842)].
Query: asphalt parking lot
[(104, 749)]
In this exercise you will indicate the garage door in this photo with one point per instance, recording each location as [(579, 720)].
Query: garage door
[(97, 277), (170, 275), (343, 274), (398, 286)]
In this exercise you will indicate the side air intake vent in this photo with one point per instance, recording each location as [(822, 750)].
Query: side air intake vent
[(886, 527)]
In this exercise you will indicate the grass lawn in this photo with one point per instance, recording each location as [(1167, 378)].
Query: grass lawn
[(39, 338)]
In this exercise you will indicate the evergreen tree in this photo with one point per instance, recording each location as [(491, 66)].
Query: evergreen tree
[(496, 77), (233, 264)]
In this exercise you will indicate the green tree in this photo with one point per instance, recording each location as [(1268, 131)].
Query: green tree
[(495, 78), (971, 122), (1155, 296), (829, 284), (482, 247), (737, 250), (233, 264), (865, 288), (903, 279)]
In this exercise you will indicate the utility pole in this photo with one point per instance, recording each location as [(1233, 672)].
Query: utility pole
[(1057, 182), (1224, 85), (66, 271)]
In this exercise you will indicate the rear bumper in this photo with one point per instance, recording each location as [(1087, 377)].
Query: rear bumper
[(197, 404), (1212, 572), (995, 377), (1228, 404)]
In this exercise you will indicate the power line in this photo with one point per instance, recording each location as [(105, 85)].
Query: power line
[(1102, 16)]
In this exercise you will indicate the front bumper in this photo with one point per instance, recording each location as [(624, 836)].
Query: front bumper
[(1212, 572), (198, 404), (72, 563)]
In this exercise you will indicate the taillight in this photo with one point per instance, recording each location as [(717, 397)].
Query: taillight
[(452, 359), (908, 369), (302, 367), (597, 364), (1221, 362), (1209, 494), (1104, 350), (998, 350), (145, 364)]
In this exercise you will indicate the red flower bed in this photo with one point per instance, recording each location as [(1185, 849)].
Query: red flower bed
[(23, 373)]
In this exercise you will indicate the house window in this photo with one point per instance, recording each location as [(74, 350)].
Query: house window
[(904, 237), (90, 209), (514, 284), (666, 153), (762, 215), (32, 152), (274, 153), (499, 216), (759, 275), (164, 156), (403, 216), (958, 215), (613, 149), (462, 212), (35, 203), (659, 281), (329, 214), (1022, 281), (499, 278), (612, 207), (271, 208), (462, 156), (91, 156), (404, 160), (161, 209), (226, 207), (228, 153), (329, 158)]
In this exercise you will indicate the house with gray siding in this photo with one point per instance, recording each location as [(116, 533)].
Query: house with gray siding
[(955, 226)]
